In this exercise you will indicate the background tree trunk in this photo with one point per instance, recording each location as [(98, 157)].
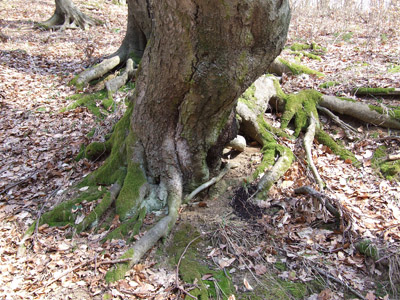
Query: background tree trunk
[(200, 57), (67, 15)]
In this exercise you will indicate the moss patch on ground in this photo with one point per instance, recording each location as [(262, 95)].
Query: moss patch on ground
[(328, 84), (90, 102), (192, 269), (389, 169)]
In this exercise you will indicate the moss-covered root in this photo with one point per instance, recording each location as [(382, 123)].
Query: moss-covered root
[(377, 115), (129, 228), (277, 171), (173, 182), (270, 149), (280, 66), (300, 106), (92, 219), (325, 139), (64, 213), (376, 91)]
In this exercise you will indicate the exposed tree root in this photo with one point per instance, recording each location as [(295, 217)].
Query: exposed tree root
[(368, 113), (96, 71), (308, 141), (114, 84)]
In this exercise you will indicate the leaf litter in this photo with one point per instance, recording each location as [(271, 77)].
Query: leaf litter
[(39, 144)]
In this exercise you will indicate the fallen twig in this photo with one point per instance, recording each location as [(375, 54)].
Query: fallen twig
[(181, 288), (337, 280), (321, 197), (346, 127), (66, 272)]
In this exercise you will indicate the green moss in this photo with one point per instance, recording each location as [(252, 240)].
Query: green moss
[(81, 153), (274, 288), (96, 150), (108, 103), (92, 219), (297, 289), (129, 228), (248, 97), (118, 168), (341, 151), (299, 47), (373, 91), (389, 169), (89, 101), (367, 248), (115, 166), (300, 54), (66, 212), (300, 106), (317, 48), (91, 133), (191, 269), (393, 112), (280, 266), (118, 271), (328, 84), (347, 99), (299, 69), (74, 82), (394, 69)]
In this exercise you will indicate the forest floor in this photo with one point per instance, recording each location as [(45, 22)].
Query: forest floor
[(293, 240)]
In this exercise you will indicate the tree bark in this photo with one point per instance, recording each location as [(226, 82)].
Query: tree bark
[(201, 56), (67, 15)]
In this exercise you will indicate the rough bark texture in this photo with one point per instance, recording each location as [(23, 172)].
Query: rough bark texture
[(200, 57), (68, 15)]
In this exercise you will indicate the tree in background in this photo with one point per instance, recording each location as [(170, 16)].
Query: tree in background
[(67, 15)]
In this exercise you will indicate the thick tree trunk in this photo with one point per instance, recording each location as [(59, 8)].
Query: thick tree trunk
[(200, 57), (67, 15)]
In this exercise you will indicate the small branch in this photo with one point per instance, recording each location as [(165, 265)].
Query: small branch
[(323, 199), (393, 157), (308, 140), (208, 183), (81, 265), (347, 128), (177, 268), (337, 280), (7, 188)]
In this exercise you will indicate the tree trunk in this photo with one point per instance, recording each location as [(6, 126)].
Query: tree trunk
[(201, 56), (67, 15)]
